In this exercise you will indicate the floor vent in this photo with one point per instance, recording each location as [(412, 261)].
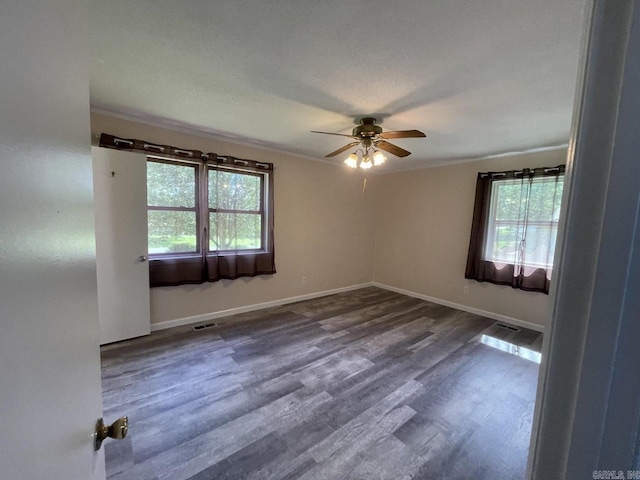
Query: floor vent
[(508, 327), (203, 326)]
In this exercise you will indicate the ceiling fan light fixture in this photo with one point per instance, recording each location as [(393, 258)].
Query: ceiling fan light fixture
[(366, 162), (378, 158), (352, 161)]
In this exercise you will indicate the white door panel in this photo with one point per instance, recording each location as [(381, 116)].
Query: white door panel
[(120, 189), (50, 395)]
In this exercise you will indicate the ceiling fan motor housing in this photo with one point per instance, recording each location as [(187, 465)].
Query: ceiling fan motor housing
[(367, 128)]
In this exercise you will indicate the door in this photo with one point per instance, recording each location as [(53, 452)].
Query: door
[(50, 395), (120, 192)]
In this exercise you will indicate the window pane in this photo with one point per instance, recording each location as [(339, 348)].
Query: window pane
[(507, 240), (508, 198), (171, 231), (541, 241), (234, 191), (544, 200), (171, 185), (235, 231)]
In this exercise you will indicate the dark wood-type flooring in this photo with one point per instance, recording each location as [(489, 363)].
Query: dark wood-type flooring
[(367, 384)]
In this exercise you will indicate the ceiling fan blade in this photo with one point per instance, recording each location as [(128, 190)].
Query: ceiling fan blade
[(329, 133), (403, 134), (340, 150), (391, 148)]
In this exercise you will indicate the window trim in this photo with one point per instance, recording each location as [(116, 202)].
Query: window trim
[(263, 212), (203, 227), (492, 219), (196, 208)]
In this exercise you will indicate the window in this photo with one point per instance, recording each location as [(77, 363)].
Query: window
[(523, 229), (236, 210), (204, 218), (209, 217), (233, 219), (172, 207), (515, 226)]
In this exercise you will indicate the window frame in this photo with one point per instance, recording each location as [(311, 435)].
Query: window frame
[(196, 208), (493, 222), (263, 176), (202, 209)]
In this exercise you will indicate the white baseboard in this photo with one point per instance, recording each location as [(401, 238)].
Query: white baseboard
[(465, 308), (250, 308), (275, 303)]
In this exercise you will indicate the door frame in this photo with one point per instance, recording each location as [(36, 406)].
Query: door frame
[(588, 400)]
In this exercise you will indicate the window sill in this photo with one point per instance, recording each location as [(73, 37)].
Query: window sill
[(525, 265), (189, 256)]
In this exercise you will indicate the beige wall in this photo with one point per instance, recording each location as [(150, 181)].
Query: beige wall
[(324, 228), (424, 221)]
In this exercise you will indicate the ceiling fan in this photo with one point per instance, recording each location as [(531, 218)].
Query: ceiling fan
[(371, 135)]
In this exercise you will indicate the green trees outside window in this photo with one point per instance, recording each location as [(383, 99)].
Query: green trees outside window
[(523, 221), (193, 206), (235, 210), (172, 212)]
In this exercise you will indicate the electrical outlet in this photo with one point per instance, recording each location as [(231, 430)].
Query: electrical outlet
[(304, 280), (465, 289)]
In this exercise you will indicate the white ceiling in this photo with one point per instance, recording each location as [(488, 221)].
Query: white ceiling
[(479, 77)]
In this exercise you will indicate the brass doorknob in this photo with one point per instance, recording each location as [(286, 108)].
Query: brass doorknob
[(117, 430)]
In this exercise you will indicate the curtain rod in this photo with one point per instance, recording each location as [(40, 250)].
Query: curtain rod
[(132, 144), (525, 171)]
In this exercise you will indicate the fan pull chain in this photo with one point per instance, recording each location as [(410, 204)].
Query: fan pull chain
[(364, 186)]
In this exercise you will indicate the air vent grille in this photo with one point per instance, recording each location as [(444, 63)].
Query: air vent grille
[(202, 326), (508, 327)]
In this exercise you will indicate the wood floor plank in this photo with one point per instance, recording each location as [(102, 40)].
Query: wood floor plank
[(369, 422), (339, 459), (388, 459), (367, 384), (190, 420), (254, 457), (188, 458)]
